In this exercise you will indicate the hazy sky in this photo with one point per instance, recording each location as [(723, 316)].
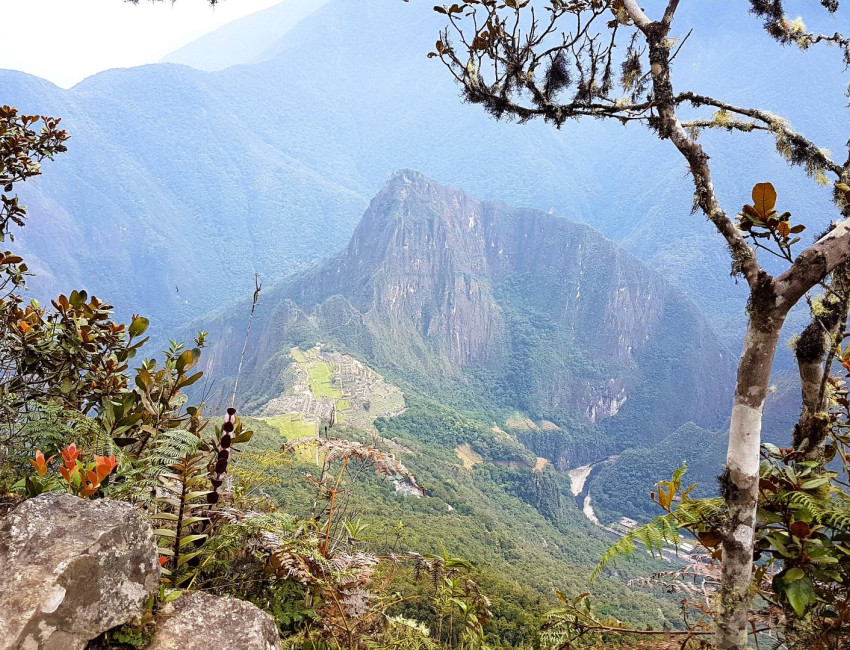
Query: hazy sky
[(81, 37)]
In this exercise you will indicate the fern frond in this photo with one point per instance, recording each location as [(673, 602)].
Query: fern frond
[(833, 512), (663, 531), (171, 445)]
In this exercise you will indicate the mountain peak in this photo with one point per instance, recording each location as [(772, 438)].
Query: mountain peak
[(445, 281), (407, 183), (408, 176)]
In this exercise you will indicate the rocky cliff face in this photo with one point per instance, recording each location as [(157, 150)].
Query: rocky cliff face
[(417, 265), (436, 284)]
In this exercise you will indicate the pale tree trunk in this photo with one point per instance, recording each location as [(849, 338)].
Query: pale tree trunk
[(739, 482), (815, 354), (770, 300)]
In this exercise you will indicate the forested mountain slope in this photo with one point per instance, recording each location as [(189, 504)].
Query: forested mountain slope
[(252, 39), (493, 309), (264, 167)]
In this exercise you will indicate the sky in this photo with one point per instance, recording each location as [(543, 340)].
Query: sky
[(82, 37)]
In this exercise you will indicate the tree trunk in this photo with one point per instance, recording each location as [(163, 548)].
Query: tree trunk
[(815, 354), (739, 482)]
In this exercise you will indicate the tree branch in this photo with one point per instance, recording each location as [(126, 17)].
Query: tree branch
[(802, 148), (670, 12), (639, 17), (813, 265), (744, 260)]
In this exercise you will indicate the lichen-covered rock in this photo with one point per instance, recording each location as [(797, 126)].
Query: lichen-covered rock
[(199, 621), (72, 569)]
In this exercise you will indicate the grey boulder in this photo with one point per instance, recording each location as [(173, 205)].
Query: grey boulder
[(199, 621), (72, 569)]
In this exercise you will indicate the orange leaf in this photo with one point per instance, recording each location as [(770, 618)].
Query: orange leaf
[(752, 212), (71, 454), (784, 228), (764, 198), (24, 326)]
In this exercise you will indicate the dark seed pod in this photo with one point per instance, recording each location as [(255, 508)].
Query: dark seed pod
[(217, 475)]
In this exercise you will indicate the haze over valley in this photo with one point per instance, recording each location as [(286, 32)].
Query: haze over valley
[(432, 343)]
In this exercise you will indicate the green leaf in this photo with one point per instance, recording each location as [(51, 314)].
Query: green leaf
[(778, 545), (815, 483), (165, 532), (825, 559), (191, 380), (188, 556), (171, 596), (188, 359), (188, 521), (793, 574), (244, 436), (768, 517), (139, 326), (191, 538), (800, 594)]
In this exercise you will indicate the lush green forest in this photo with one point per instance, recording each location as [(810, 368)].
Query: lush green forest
[(264, 384)]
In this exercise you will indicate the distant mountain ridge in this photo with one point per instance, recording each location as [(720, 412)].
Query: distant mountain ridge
[(252, 39), (532, 311), (197, 180)]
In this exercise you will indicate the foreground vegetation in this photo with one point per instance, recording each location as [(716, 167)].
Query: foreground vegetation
[(236, 514), (84, 413)]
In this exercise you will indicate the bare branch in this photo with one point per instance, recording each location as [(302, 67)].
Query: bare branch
[(670, 11)]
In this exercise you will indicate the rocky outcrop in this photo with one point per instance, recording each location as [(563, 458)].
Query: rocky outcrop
[(435, 285), (72, 569), (198, 621)]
